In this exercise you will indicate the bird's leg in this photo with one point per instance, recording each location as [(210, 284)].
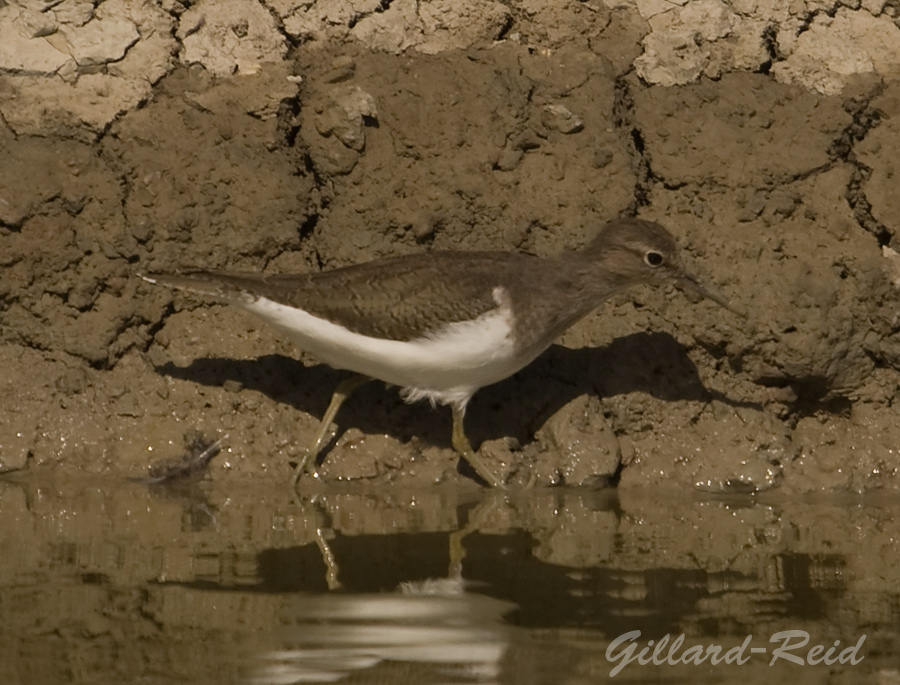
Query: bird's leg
[(462, 445), (491, 505), (344, 389)]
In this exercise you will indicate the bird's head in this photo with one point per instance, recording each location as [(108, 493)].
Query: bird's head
[(634, 251)]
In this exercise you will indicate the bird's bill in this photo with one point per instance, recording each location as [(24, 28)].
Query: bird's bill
[(690, 283)]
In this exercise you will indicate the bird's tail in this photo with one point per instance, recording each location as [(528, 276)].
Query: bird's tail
[(228, 287)]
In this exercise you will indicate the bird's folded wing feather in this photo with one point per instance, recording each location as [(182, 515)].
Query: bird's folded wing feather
[(397, 298)]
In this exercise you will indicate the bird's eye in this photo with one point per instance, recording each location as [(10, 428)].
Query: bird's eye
[(653, 259)]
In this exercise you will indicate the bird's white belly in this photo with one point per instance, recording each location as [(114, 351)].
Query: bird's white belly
[(447, 366)]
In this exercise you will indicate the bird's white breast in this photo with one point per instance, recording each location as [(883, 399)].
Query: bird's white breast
[(447, 365)]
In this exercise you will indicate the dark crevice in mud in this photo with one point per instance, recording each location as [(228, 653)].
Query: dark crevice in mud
[(808, 17), (623, 119), (308, 227), (307, 167), (35, 345), (5, 124), (719, 351), (770, 43), (126, 179), (320, 263), (288, 121), (115, 350), (534, 229), (175, 10), (100, 136), (291, 41), (358, 16), (862, 208), (865, 118), (7, 297), (878, 361), (803, 175), (615, 477), (891, 8), (154, 327), (126, 176), (506, 28)]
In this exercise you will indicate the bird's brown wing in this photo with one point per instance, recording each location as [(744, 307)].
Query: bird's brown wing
[(399, 298)]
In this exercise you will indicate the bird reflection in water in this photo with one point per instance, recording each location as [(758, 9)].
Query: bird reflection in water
[(429, 632)]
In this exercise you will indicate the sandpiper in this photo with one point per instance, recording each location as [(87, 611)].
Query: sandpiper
[(443, 324)]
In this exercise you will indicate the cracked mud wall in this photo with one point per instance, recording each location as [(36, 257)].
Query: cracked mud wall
[(288, 137)]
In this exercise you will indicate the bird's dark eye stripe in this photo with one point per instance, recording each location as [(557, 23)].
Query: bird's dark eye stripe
[(653, 258)]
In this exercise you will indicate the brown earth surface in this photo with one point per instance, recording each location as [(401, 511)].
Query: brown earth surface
[(348, 138)]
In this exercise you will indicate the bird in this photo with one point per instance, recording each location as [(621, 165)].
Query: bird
[(443, 324)]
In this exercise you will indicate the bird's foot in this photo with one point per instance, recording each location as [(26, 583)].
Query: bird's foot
[(306, 464), (325, 433), (482, 469)]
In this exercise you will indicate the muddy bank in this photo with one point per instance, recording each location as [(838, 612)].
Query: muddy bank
[(274, 138)]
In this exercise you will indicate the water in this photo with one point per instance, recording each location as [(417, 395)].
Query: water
[(110, 582)]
